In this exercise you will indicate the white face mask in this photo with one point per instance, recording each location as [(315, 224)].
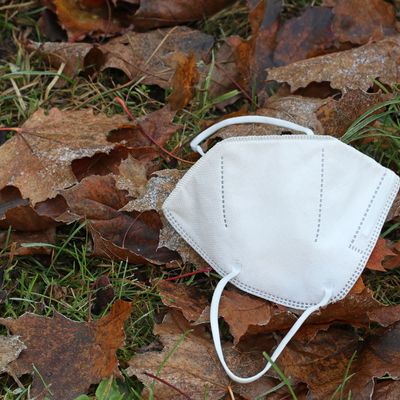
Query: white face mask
[(292, 219)]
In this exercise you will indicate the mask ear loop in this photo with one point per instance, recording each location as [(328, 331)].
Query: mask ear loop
[(248, 119), (217, 339)]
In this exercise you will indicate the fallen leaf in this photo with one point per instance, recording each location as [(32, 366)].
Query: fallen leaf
[(185, 78), (350, 69), (381, 250), (239, 312), (193, 367), (10, 349), (132, 236), (386, 390), (79, 22), (292, 108), (132, 176), (156, 13), (248, 316), (159, 186), (373, 20), (20, 239), (320, 362), (336, 116), (254, 55), (150, 56), (306, 36), (77, 57), (37, 161), (379, 356), (87, 348), (189, 300), (395, 209)]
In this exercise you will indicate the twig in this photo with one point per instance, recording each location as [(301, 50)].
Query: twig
[(152, 140), (199, 271), (168, 384)]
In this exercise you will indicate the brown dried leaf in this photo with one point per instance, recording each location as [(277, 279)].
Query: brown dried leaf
[(387, 390), (379, 356), (150, 56), (17, 213), (77, 57), (320, 362), (10, 349), (380, 252), (19, 239), (185, 78), (336, 116), (116, 235), (156, 13), (306, 36), (87, 348), (185, 298), (38, 160), (395, 209), (132, 176), (359, 21), (240, 312), (157, 190), (300, 110), (347, 70), (79, 22), (193, 368)]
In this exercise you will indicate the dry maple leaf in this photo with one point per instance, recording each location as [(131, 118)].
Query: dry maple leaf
[(296, 109), (379, 356), (87, 349), (79, 22), (373, 20), (156, 13), (350, 69), (193, 368), (38, 160), (10, 349), (378, 255), (76, 57), (158, 188), (116, 234), (306, 36), (150, 56), (336, 116), (185, 78), (320, 362), (187, 299)]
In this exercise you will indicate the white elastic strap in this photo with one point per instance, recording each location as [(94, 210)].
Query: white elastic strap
[(248, 119), (217, 339)]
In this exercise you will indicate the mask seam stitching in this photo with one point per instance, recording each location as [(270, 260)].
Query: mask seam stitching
[(223, 193), (321, 193), (366, 212)]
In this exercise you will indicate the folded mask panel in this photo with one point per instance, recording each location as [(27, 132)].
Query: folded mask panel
[(292, 219)]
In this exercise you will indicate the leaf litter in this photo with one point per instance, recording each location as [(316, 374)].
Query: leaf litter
[(325, 67)]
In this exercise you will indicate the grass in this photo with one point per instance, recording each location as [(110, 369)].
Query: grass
[(64, 281)]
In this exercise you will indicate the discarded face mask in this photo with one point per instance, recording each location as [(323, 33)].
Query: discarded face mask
[(292, 219)]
